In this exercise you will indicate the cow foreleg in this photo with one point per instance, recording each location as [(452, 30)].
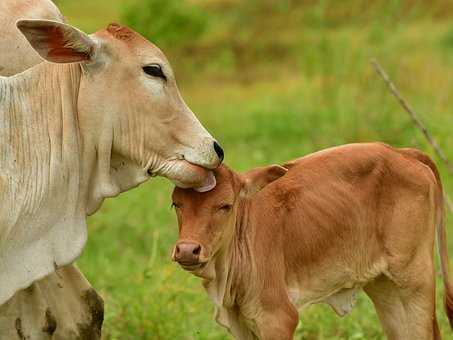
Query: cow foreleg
[(63, 305)]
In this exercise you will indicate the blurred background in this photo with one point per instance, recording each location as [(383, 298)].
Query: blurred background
[(272, 80)]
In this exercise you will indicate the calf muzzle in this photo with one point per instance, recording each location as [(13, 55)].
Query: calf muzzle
[(187, 253)]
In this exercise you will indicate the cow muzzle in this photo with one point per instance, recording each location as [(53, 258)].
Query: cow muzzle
[(208, 154), (188, 255), (219, 151)]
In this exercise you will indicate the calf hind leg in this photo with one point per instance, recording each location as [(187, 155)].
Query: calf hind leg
[(406, 313)]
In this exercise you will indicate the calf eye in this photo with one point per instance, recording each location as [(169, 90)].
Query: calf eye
[(154, 70), (174, 205), (226, 207)]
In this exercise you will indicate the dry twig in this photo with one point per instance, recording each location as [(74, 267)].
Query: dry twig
[(418, 123)]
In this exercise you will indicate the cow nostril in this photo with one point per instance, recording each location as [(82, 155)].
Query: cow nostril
[(218, 151), (177, 249), (196, 250)]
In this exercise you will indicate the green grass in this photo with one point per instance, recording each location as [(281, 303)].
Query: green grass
[(320, 91)]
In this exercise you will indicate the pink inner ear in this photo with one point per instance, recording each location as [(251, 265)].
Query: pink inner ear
[(62, 54), (57, 46)]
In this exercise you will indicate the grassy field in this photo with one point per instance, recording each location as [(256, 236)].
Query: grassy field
[(309, 87)]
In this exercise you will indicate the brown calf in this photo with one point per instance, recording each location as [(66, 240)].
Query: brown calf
[(319, 229)]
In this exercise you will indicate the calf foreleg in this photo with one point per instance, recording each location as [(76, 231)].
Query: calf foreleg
[(278, 319)]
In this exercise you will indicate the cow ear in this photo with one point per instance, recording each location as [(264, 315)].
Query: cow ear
[(57, 42), (258, 178)]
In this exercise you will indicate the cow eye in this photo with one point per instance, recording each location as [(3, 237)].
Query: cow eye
[(154, 70), (175, 205)]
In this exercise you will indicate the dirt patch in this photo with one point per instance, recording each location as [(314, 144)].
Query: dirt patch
[(51, 323), (95, 305), (20, 332)]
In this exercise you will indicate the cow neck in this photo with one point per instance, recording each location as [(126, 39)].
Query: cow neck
[(41, 104), (105, 173), (97, 141), (41, 165), (56, 88)]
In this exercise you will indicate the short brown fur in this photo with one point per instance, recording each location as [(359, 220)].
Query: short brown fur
[(359, 216), (120, 32)]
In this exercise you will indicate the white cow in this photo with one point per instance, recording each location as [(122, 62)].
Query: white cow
[(74, 134), (37, 312)]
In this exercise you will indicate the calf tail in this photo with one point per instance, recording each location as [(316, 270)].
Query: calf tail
[(441, 233), (444, 262)]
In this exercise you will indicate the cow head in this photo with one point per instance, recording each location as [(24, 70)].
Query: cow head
[(208, 220), (129, 107)]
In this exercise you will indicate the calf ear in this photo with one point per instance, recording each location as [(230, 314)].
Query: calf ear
[(57, 42), (258, 178)]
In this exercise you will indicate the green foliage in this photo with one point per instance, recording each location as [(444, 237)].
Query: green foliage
[(167, 22), (447, 41)]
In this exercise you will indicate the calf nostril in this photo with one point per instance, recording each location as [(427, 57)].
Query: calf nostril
[(218, 151), (196, 250), (177, 249)]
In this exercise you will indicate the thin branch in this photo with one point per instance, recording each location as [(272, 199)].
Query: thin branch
[(418, 123)]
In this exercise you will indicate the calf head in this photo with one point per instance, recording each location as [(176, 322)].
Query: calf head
[(129, 107), (207, 221)]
